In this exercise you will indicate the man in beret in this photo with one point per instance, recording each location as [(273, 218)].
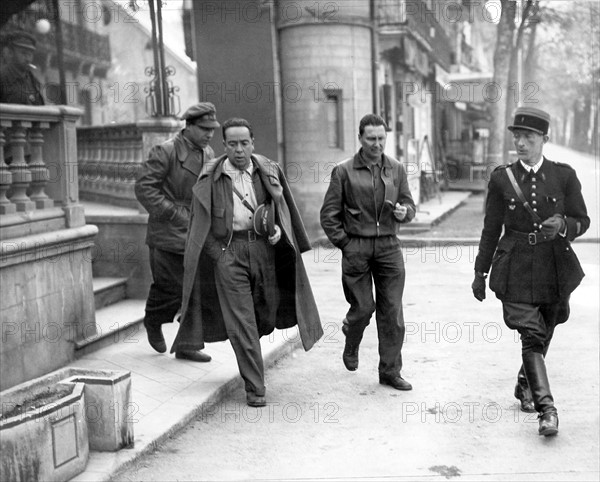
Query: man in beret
[(244, 274), (164, 188), (18, 84), (534, 207)]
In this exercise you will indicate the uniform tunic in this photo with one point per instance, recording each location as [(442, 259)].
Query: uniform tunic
[(532, 269)]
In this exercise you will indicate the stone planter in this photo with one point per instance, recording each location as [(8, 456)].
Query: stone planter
[(108, 407), (43, 431)]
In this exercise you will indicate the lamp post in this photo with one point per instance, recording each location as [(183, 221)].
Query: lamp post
[(161, 98)]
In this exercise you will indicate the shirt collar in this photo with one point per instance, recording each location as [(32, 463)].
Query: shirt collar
[(535, 168), (230, 169)]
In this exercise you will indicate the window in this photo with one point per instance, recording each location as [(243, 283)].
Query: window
[(334, 119)]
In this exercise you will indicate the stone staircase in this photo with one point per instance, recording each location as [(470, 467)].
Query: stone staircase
[(118, 318)]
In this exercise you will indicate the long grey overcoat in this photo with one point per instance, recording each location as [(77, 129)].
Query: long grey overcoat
[(201, 317)]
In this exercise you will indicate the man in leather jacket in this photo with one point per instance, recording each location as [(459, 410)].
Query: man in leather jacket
[(537, 206), (164, 188), (366, 201)]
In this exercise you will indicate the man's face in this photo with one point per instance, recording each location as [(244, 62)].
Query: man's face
[(239, 146), (22, 57), (529, 145), (199, 136), (373, 142)]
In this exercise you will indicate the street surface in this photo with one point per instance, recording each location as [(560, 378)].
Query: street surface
[(461, 419), (459, 422)]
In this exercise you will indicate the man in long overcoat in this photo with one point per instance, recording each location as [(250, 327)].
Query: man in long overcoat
[(537, 207), (239, 282)]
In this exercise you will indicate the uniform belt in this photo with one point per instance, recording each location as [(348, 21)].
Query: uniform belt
[(532, 238), (248, 235)]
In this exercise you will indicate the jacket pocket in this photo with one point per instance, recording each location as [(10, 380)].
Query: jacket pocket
[(352, 220), (218, 227), (500, 272), (556, 202), (569, 272)]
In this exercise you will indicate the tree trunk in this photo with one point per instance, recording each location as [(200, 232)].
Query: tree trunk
[(515, 81), (502, 54)]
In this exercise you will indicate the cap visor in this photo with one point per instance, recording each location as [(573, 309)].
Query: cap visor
[(524, 128), (209, 124)]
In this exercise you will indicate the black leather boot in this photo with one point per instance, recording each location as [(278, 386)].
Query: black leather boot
[(523, 393), (535, 370)]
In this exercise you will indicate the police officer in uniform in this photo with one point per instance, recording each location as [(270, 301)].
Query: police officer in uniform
[(533, 268), (18, 84)]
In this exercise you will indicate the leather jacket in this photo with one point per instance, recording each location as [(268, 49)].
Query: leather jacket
[(164, 188), (350, 209)]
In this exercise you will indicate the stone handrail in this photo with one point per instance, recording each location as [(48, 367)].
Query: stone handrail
[(110, 157), (38, 169)]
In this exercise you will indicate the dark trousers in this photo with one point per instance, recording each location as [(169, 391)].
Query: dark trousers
[(535, 323), (378, 261), (164, 298), (246, 283)]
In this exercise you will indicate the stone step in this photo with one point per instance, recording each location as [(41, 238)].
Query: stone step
[(120, 322), (108, 291)]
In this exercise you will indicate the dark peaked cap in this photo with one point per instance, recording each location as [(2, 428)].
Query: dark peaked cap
[(205, 112)]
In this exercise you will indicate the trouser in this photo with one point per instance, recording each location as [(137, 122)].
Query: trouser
[(536, 324), (246, 284), (164, 298), (378, 261)]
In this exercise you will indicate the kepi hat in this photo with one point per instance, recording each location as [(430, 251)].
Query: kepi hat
[(23, 40), (204, 113), (531, 119), (264, 220)]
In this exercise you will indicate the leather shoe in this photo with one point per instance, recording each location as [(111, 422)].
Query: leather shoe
[(350, 356), (548, 424), (396, 382), (254, 400), (524, 396), (156, 338), (192, 355)]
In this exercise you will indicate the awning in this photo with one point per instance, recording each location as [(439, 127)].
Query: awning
[(470, 88)]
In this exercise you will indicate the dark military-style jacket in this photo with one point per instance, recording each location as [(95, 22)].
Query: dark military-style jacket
[(19, 87), (532, 269), (164, 188)]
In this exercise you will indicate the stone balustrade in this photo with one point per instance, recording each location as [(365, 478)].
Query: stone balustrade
[(38, 163), (110, 158)]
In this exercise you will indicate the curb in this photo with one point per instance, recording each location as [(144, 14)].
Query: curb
[(285, 348)]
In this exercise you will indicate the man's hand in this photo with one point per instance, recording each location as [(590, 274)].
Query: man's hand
[(400, 211), (478, 286), (276, 237), (553, 225)]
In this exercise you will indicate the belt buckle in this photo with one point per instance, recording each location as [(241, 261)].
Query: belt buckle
[(251, 236), (532, 238)]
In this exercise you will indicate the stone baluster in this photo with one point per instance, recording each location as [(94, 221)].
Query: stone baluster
[(39, 172), (82, 161), (21, 175), (94, 173), (6, 207)]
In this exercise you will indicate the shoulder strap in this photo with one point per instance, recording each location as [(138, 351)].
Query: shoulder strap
[(521, 196), (246, 204)]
